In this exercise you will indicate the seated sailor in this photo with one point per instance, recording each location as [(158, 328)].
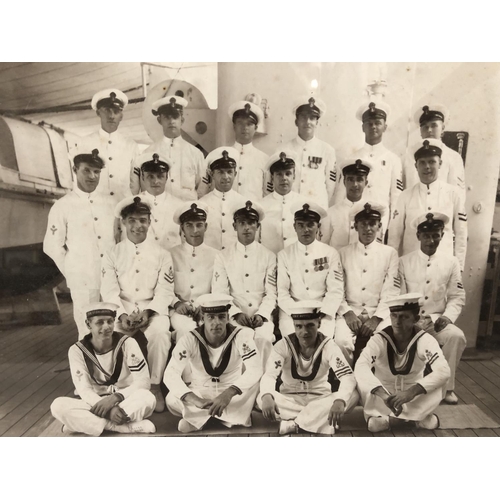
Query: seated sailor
[(402, 371), (111, 376), (216, 352), (303, 359)]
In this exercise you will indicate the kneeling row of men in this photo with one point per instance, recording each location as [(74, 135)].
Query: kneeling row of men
[(401, 373)]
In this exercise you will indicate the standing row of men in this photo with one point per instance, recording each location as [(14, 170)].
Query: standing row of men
[(154, 256)]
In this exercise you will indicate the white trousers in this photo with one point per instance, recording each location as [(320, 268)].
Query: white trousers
[(76, 416), (452, 341), (345, 337), (81, 298), (237, 412), (286, 327), (181, 324), (310, 411), (159, 341)]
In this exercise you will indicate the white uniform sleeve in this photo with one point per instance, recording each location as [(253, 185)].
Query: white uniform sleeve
[(455, 294), (181, 356), (110, 287), (428, 349), (460, 229), (342, 371), (285, 300), (396, 183), (274, 366), (81, 376), (390, 288), (456, 175), (55, 236), (365, 378), (402, 278), (334, 286), (344, 306), (203, 185), (137, 366), (397, 223), (135, 172), (220, 282), (331, 174), (270, 293), (250, 355), (164, 295)]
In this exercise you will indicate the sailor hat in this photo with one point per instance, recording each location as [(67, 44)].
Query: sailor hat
[(92, 159), (169, 102), (355, 166), (109, 98), (100, 309), (309, 104), (246, 109), (154, 163), (132, 204), (191, 211), (429, 221), (431, 112), (373, 110), (281, 160), (367, 210), (251, 211), (214, 302), (306, 309), (427, 148), (223, 157), (309, 211), (406, 302)]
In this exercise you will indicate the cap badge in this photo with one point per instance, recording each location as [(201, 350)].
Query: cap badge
[(426, 144), (429, 217), (137, 200), (368, 207), (194, 207), (371, 106), (311, 102), (225, 155), (305, 207), (247, 109), (358, 163), (112, 96), (425, 109), (95, 153), (172, 102), (156, 158), (248, 205), (283, 157)]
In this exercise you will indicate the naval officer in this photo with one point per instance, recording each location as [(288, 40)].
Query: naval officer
[(337, 229), (432, 119), (221, 164), (118, 152), (154, 177), (193, 266), (111, 377), (216, 352), (79, 232), (370, 280), (385, 182), (309, 270), (277, 230), (187, 165), (436, 276), (137, 274), (246, 270), (428, 195), (315, 169)]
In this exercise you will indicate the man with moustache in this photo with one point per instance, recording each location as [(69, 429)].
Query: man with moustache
[(79, 232), (277, 230), (137, 274)]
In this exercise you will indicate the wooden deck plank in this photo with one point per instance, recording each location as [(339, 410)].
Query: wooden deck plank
[(493, 379), (491, 366), (444, 433), (423, 433), (388, 433), (464, 432), (470, 398), (403, 432), (479, 392), (363, 433), (485, 432)]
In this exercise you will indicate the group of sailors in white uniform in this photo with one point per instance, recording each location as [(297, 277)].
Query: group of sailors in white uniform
[(215, 286)]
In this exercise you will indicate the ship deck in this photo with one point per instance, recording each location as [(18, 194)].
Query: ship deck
[(34, 371)]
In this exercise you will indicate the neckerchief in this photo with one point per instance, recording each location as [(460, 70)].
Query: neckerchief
[(293, 344)]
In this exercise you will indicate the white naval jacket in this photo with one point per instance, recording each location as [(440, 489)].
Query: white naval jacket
[(79, 232), (94, 383), (187, 167), (248, 274), (193, 270), (189, 352), (119, 154), (311, 272), (438, 279), (138, 276), (301, 376), (276, 229), (163, 229), (220, 232), (380, 364), (316, 174), (250, 171), (437, 197), (370, 278), (385, 181), (452, 170)]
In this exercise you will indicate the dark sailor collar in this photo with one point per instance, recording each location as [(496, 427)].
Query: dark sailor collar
[(293, 343)]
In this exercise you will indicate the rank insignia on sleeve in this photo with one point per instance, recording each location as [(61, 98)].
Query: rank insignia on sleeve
[(397, 282), (216, 275), (169, 277), (245, 349), (53, 229), (395, 214), (321, 263), (277, 364), (182, 355), (340, 363), (333, 176), (374, 358), (272, 276), (460, 286), (79, 374), (137, 171), (431, 357), (103, 272), (399, 184)]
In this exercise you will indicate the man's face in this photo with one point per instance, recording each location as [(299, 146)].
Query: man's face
[(154, 182), (306, 329), (110, 118), (137, 226), (306, 124), (428, 168), (246, 230), (87, 177), (215, 324), (429, 240), (432, 129), (283, 181), (354, 186), (101, 327), (244, 130), (367, 230), (171, 124), (306, 231), (194, 232), (403, 321), (374, 129), (223, 179)]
